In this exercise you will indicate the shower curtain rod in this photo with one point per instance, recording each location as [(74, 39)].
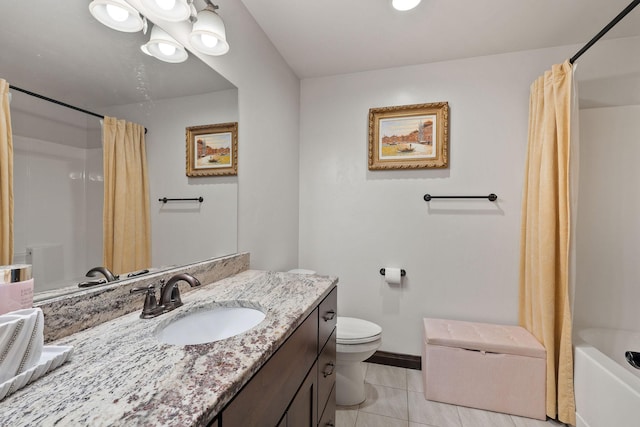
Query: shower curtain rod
[(606, 29), (64, 104), (55, 101)]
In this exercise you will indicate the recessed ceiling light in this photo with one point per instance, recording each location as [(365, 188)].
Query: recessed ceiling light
[(404, 4)]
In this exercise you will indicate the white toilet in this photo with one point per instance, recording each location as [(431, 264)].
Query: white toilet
[(356, 341)]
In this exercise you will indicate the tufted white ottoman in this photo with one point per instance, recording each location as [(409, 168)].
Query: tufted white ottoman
[(498, 368)]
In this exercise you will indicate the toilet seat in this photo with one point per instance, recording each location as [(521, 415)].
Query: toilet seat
[(350, 331)]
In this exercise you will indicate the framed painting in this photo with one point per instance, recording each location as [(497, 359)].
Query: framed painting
[(409, 136), (212, 150)]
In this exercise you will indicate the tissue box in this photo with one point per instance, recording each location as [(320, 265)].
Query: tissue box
[(16, 287)]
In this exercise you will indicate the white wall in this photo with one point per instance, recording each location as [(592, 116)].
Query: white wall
[(608, 231), (269, 141), (49, 208), (94, 185), (35, 118), (461, 257), (185, 232), (54, 208), (268, 137)]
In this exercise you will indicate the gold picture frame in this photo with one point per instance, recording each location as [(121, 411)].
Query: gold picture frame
[(212, 150), (409, 136)]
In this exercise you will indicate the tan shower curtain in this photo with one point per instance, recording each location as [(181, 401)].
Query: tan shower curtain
[(126, 223), (544, 249), (6, 177)]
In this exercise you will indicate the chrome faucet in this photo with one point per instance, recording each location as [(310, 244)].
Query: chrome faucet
[(169, 295), (104, 271)]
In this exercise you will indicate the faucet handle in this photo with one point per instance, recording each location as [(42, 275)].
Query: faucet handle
[(150, 308)]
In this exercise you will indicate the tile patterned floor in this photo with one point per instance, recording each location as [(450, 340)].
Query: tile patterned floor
[(395, 399)]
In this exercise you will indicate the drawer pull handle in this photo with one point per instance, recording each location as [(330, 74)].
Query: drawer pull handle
[(330, 424), (329, 315), (328, 369)]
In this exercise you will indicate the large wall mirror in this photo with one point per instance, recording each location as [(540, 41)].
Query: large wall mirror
[(57, 49)]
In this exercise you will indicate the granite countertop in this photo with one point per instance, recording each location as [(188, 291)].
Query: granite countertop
[(121, 375)]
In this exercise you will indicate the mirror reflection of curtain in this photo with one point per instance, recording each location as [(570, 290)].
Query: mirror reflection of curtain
[(545, 235), (126, 220), (6, 177)]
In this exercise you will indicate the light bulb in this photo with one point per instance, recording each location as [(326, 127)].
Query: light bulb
[(208, 41), (117, 13), (167, 49), (404, 4), (166, 4)]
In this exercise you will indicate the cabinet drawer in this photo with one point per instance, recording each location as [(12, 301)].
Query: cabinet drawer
[(329, 415), (328, 316), (269, 392), (326, 371)]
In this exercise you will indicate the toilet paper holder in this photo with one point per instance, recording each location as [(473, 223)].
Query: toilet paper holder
[(402, 272)]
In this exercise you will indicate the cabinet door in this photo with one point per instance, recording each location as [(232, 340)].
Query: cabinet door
[(329, 415), (264, 399), (303, 411)]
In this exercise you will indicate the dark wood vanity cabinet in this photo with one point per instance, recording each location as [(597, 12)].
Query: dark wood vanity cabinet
[(296, 387), (328, 316)]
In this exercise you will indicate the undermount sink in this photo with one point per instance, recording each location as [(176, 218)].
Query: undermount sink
[(209, 325)]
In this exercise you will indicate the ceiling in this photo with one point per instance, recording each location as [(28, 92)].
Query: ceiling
[(320, 38), (73, 58), (57, 49)]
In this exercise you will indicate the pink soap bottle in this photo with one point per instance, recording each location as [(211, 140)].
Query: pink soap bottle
[(16, 287)]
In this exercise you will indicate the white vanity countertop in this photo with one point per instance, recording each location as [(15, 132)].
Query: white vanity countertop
[(120, 375)]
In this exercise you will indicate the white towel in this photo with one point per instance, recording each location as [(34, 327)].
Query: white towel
[(21, 341)]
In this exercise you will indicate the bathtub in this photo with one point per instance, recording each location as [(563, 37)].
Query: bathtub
[(607, 387)]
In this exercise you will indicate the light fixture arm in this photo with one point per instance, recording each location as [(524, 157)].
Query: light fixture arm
[(193, 16), (211, 6)]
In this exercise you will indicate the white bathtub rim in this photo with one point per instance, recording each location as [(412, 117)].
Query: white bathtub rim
[(620, 374), (580, 422)]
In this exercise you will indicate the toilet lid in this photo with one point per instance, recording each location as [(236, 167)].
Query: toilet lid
[(350, 330)]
